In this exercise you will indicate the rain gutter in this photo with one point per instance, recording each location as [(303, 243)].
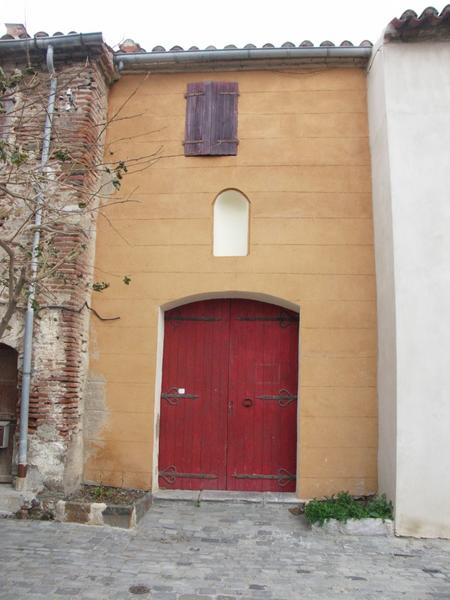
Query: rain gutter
[(59, 42), (247, 58)]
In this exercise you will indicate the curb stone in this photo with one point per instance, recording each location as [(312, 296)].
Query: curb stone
[(355, 527)]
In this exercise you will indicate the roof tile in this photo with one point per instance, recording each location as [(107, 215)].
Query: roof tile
[(430, 24), (129, 46)]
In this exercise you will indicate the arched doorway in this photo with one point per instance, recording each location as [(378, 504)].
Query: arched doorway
[(8, 402), (229, 397)]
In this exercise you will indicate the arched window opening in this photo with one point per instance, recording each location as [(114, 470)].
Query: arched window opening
[(231, 220)]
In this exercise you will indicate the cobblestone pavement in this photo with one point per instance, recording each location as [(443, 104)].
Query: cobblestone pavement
[(215, 551)]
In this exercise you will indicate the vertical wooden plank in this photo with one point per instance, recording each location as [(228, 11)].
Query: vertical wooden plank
[(197, 130), (224, 118)]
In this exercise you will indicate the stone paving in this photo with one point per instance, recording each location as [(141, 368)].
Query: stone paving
[(215, 551)]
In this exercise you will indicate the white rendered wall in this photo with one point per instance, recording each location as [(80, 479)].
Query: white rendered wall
[(384, 264), (410, 143)]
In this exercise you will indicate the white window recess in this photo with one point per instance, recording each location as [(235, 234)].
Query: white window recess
[(231, 224)]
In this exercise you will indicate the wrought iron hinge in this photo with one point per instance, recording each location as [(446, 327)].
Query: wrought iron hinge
[(283, 477), (187, 318), (284, 319), (170, 475), (173, 395), (284, 397), (193, 142)]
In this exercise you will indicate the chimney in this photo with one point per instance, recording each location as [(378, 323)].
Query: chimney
[(130, 47), (16, 30)]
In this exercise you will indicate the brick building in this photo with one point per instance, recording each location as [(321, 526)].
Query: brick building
[(84, 65)]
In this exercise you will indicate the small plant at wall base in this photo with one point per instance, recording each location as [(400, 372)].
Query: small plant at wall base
[(343, 507)]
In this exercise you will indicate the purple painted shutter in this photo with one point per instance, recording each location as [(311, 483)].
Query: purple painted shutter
[(224, 118), (197, 136), (211, 118)]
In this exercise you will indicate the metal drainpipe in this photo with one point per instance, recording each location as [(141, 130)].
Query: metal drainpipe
[(29, 317)]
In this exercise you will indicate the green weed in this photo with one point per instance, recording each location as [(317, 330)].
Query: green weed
[(343, 507)]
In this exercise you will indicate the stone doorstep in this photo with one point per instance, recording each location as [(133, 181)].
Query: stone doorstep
[(355, 527), (100, 513), (226, 496), (12, 500)]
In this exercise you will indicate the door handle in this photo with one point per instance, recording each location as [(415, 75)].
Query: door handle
[(247, 402)]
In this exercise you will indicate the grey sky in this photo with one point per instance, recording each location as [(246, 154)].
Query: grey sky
[(205, 22)]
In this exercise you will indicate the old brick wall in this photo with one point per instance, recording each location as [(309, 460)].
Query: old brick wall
[(61, 324)]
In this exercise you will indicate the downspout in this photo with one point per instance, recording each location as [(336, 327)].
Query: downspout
[(29, 316)]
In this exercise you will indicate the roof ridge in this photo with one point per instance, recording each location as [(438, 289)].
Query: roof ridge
[(129, 46)]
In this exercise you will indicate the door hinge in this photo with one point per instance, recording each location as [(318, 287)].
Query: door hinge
[(284, 398), (170, 475), (173, 395), (283, 319), (283, 477)]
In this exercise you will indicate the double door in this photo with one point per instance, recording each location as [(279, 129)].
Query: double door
[(229, 397)]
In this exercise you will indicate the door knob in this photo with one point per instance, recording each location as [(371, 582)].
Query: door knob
[(247, 402)]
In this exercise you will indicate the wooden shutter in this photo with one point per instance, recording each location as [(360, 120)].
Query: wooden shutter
[(197, 136), (224, 118), (211, 118)]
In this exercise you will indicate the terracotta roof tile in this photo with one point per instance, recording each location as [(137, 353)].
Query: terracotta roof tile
[(129, 46), (17, 31), (430, 24)]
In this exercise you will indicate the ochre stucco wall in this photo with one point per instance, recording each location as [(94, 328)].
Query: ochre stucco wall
[(303, 162)]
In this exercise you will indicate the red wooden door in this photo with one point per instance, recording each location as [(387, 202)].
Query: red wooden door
[(8, 403), (229, 397), (193, 423), (263, 397)]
